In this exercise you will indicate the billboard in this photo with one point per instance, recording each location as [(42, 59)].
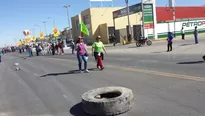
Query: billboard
[(132, 9)]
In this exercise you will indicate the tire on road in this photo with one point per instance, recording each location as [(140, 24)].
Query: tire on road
[(107, 101)]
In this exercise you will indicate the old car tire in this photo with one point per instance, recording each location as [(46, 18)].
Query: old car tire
[(107, 101)]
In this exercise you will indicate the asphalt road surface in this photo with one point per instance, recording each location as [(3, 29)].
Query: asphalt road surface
[(164, 83)]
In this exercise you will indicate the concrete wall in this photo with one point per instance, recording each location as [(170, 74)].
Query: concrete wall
[(122, 22), (75, 26), (101, 16), (163, 28)]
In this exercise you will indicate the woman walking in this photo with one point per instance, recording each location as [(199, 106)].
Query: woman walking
[(97, 50), (81, 55)]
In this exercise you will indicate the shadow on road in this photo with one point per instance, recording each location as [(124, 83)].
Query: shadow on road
[(133, 47), (66, 73), (159, 52), (192, 62), (185, 44), (77, 110)]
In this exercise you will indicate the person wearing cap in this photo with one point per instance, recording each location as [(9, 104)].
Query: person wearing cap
[(97, 50), (169, 40), (81, 54)]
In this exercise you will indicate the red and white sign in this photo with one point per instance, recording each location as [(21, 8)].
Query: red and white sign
[(149, 26)]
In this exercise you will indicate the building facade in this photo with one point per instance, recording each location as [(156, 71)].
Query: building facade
[(97, 20), (145, 19)]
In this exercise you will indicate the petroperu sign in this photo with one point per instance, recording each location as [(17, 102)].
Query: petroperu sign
[(193, 23)]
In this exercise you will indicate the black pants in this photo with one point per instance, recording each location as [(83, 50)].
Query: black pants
[(37, 53), (53, 51), (183, 36), (169, 46)]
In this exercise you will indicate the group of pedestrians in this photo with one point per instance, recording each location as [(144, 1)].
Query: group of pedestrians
[(171, 37), (98, 50), (45, 49)]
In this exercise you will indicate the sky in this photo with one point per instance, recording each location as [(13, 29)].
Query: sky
[(19, 15)]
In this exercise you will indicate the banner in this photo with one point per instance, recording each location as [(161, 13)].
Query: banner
[(84, 29), (55, 32), (41, 35), (123, 12)]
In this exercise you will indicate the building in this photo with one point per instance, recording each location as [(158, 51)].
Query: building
[(97, 20), (145, 19)]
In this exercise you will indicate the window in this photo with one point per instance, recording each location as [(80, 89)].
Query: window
[(86, 19), (77, 24)]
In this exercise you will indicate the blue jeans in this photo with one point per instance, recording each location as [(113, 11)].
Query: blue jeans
[(80, 58), (30, 53)]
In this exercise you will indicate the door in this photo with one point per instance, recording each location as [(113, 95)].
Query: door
[(137, 31)]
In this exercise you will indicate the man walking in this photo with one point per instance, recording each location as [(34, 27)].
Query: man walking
[(169, 40), (196, 35)]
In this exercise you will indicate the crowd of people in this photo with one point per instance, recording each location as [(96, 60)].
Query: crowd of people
[(42, 49), (80, 47)]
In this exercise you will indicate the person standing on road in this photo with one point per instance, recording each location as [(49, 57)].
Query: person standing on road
[(97, 50), (53, 48), (81, 54), (182, 33), (1, 53), (196, 35), (72, 46), (169, 40)]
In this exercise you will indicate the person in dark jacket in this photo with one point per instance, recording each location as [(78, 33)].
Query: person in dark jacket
[(53, 48), (196, 35), (169, 40)]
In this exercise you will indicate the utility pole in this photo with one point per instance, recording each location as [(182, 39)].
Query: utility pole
[(54, 24), (45, 26), (69, 26), (172, 7), (128, 19), (33, 32), (38, 27)]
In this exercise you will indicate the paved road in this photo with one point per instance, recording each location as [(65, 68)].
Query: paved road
[(164, 84)]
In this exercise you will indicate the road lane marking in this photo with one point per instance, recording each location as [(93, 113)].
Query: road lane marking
[(181, 76)]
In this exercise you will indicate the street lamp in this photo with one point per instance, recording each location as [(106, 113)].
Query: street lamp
[(33, 31), (67, 7), (45, 26), (54, 25), (38, 27)]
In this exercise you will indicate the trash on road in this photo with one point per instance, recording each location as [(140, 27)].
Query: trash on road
[(107, 101), (17, 66)]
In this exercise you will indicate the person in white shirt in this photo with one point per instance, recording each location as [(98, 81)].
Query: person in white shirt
[(182, 33)]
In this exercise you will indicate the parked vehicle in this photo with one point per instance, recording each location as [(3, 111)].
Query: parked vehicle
[(142, 41)]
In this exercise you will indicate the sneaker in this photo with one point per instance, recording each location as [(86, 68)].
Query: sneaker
[(80, 71), (102, 68), (87, 71)]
